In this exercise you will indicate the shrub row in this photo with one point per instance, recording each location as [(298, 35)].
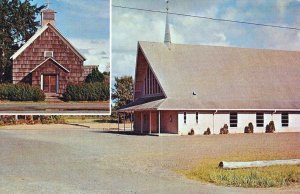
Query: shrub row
[(87, 92), (21, 92), (30, 120)]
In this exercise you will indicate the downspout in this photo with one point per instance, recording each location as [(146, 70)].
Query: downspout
[(214, 121), (273, 113)]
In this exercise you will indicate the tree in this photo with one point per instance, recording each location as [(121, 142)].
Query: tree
[(17, 24), (123, 91), (95, 76)]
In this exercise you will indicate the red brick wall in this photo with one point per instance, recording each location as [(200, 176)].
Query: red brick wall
[(34, 55)]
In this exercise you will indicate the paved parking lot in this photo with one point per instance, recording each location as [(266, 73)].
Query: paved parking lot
[(81, 160)]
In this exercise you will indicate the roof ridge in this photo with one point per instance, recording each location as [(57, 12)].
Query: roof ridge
[(218, 46), (39, 33)]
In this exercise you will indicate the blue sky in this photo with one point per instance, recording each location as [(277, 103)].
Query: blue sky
[(86, 25), (130, 26)]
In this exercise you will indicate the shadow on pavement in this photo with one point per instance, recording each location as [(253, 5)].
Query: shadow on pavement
[(78, 125), (120, 132)]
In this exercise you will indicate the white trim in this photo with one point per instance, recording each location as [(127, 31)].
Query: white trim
[(31, 40), (158, 122), (54, 62), (57, 83), (38, 33), (192, 109), (150, 122), (142, 120), (48, 52), (42, 81)]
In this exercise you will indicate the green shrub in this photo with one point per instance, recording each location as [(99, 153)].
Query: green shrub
[(95, 76), (270, 128), (87, 92), (251, 127), (52, 119), (21, 92)]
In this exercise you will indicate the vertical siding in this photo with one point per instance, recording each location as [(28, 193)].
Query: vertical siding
[(169, 125), (154, 122), (137, 122)]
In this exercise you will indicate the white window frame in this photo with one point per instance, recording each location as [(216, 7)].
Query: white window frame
[(258, 124), (45, 55), (285, 121), (233, 124)]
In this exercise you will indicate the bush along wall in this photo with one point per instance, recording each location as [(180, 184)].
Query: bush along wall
[(87, 92), (21, 92)]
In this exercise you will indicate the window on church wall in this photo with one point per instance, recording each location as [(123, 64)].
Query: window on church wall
[(197, 117), (145, 86), (285, 119), (48, 54), (148, 81), (184, 117), (259, 119), (151, 85), (233, 119)]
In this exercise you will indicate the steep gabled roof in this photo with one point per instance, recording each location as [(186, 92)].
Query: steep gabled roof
[(57, 63), (224, 77), (40, 32)]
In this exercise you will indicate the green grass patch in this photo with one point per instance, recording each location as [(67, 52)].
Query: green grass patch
[(273, 176)]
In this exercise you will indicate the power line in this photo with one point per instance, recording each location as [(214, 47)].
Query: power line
[(209, 18)]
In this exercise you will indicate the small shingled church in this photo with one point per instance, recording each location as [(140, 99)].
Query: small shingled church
[(180, 87), (48, 60)]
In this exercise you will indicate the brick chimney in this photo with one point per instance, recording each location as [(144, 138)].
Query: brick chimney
[(48, 16)]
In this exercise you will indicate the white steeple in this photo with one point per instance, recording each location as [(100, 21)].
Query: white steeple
[(167, 40)]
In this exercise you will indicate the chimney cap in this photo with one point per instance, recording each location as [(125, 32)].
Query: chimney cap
[(48, 10)]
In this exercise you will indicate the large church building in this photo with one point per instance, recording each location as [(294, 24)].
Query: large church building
[(179, 88)]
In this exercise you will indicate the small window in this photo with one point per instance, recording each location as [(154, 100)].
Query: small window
[(196, 117), (233, 120), (259, 119), (48, 54), (285, 119), (184, 117)]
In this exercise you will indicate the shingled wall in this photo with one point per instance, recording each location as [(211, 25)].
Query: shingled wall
[(33, 55)]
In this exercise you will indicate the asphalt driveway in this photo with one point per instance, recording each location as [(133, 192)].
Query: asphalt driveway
[(77, 160)]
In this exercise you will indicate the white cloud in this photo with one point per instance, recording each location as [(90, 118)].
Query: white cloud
[(93, 50), (92, 8), (129, 26)]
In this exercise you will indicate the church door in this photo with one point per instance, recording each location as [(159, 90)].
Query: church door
[(50, 83)]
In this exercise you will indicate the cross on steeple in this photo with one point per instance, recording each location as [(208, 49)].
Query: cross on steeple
[(48, 4), (167, 40)]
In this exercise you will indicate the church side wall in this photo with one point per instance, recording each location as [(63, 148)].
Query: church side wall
[(217, 121)]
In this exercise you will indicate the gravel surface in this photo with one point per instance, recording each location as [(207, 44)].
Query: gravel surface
[(56, 159)]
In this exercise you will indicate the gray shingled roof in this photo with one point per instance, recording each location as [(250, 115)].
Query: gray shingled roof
[(225, 77)]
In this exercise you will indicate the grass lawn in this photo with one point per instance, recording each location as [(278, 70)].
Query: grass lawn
[(273, 176)]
